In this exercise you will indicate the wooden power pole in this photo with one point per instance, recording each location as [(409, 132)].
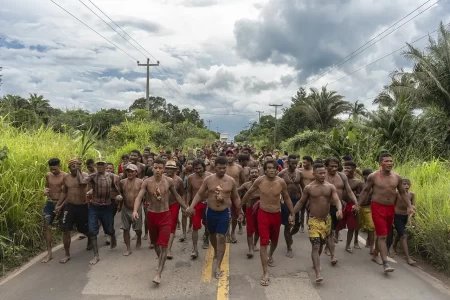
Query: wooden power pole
[(276, 124), (148, 65)]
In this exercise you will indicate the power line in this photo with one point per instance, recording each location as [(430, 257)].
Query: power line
[(357, 52), (135, 59)]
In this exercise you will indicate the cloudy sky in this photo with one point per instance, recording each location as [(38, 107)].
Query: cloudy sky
[(225, 58)]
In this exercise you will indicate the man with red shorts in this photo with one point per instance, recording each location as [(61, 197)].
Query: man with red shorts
[(252, 234), (174, 207), (195, 181), (235, 171), (158, 188), (384, 184), (271, 187)]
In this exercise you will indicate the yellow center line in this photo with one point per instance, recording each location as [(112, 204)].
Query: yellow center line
[(207, 266), (224, 282)]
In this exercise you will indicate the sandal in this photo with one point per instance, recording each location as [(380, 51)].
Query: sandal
[(265, 282)]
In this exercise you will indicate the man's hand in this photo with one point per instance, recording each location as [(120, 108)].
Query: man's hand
[(291, 219), (356, 207), (241, 217), (46, 191), (190, 211), (411, 210), (135, 215), (58, 209), (339, 214)]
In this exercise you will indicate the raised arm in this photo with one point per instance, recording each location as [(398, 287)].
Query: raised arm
[(83, 180), (364, 196)]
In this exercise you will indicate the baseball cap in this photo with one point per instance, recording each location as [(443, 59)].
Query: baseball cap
[(229, 151), (170, 164), (132, 167)]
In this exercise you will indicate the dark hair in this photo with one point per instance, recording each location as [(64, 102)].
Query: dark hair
[(243, 157), (149, 171), (331, 159), (318, 166), (89, 161), (213, 155), (221, 160), (308, 158), (286, 153), (268, 154), (168, 152), (247, 149), (159, 161), (136, 151), (292, 156), (222, 154), (125, 156), (54, 162), (383, 155), (350, 164), (347, 158), (199, 162), (147, 148), (406, 180), (318, 160), (367, 172), (110, 163), (270, 161)]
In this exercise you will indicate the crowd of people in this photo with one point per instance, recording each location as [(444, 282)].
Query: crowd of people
[(223, 187)]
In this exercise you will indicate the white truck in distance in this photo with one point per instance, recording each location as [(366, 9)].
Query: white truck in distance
[(224, 137)]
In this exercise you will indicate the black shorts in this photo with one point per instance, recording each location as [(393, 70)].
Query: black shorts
[(75, 215), (334, 220), (400, 222)]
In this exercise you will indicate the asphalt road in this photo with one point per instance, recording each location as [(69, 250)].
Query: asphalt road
[(117, 277)]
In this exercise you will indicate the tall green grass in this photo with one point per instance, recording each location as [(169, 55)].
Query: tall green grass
[(430, 238), (22, 179)]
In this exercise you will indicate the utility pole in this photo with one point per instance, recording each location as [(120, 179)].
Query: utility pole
[(259, 115), (209, 124), (148, 65), (276, 123)]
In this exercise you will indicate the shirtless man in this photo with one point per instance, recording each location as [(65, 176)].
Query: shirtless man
[(134, 159), (100, 208), (145, 155), (174, 207), (159, 220), (53, 189), (243, 162), (130, 188), (195, 182), (384, 183), (293, 178), (321, 195), (307, 178), (252, 233), (188, 170), (235, 171), (90, 166), (340, 182), (222, 191), (212, 167), (113, 194), (401, 220), (73, 202), (271, 188), (365, 217)]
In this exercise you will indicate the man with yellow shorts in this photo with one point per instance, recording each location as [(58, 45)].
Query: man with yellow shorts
[(321, 194), (365, 218)]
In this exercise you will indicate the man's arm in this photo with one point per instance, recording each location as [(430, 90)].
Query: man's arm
[(241, 177), (140, 196), (348, 189), (235, 197), (364, 196), (177, 197), (250, 191), (404, 196), (302, 201), (286, 198), (336, 201), (84, 180), (62, 197), (189, 191)]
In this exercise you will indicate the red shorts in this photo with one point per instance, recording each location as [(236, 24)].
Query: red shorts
[(383, 218), (174, 209), (348, 218), (250, 220), (197, 219), (269, 227), (159, 227)]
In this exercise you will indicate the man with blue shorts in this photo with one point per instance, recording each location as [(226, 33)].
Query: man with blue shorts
[(222, 191), (293, 177)]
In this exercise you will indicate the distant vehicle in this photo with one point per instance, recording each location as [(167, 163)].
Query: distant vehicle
[(224, 137)]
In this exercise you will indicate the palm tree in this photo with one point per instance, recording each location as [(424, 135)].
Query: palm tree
[(13, 102), (358, 109), (322, 107), (398, 91), (38, 104), (431, 72)]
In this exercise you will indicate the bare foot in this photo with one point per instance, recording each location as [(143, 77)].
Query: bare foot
[(265, 280), (194, 254), (126, 253), (182, 238), (356, 246), (271, 262), (94, 260), (157, 279), (47, 258), (327, 252), (250, 254), (145, 237), (64, 259), (411, 262), (319, 279), (334, 261), (219, 274), (349, 249), (377, 260), (233, 239), (290, 254)]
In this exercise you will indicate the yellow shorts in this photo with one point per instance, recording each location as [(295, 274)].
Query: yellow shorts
[(365, 218), (319, 229)]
